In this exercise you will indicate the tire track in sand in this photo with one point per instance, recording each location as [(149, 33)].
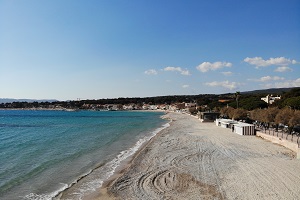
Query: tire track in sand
[(170, 184), (190, 160)]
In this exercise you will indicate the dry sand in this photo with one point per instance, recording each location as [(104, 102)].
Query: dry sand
[(193, 160)]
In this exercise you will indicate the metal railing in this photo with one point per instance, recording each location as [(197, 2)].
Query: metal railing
[(281, 133)]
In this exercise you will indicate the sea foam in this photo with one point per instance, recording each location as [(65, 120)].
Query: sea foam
[(104, 173), (109, 168)]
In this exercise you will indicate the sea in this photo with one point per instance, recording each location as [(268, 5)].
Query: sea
[(44, 154)]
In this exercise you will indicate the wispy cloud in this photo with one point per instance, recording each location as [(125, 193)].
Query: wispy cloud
[(185, 86), (225, 84), (267, 79), (177, 69), (206, 66), (283, 69), (151, 72), (270, 78), (260, 62), (227, 73), (283, 84)]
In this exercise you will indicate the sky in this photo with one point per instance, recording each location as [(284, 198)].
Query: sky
[(78, 49)]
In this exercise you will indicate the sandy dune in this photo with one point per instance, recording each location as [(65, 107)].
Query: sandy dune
[(193, 160)]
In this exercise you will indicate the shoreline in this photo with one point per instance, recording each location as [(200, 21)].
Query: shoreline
[(103, 192), (73, 110), (192, 160), (98, 166), (117, 165)]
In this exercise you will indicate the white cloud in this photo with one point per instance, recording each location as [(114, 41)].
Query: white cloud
[(178, 69), (185, 86), (185, 72), (259, 62), (283, 84), (151, 72), (227, 73), (225, 84), (267, 78), (270, 78), (206, 66), (277, 78), (283, 69)]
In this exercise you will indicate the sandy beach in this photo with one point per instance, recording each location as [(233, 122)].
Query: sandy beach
[(193, 160)]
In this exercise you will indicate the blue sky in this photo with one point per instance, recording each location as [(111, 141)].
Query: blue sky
[(137, 48)]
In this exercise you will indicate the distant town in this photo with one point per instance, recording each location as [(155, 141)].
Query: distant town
[(190, 103), (279, 109)]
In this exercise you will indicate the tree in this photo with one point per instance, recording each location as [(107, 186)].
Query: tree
[(239, 113), (284, 116), (216, 109), (295, 119), (203, 101), (257, 115), (193, 110), (252, 102), (270, 115), (281, 103), (295, 92), (237, 96), (227, 111), (293, 102)]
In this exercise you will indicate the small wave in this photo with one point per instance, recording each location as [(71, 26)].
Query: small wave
[(110, 167), (50, 196), (19, 126)]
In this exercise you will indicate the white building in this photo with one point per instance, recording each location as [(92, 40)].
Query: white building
[(225, 123), (244, 129), (153, 107), (236, 127), (190, 105), (269, 99)]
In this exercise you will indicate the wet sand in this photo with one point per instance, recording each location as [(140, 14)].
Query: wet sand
[(193, 160)]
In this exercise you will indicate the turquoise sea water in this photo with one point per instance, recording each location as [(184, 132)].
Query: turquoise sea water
[(45, 152)]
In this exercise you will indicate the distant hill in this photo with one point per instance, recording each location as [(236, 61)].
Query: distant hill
[(7, 100), (158, 99), (269, 91)]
